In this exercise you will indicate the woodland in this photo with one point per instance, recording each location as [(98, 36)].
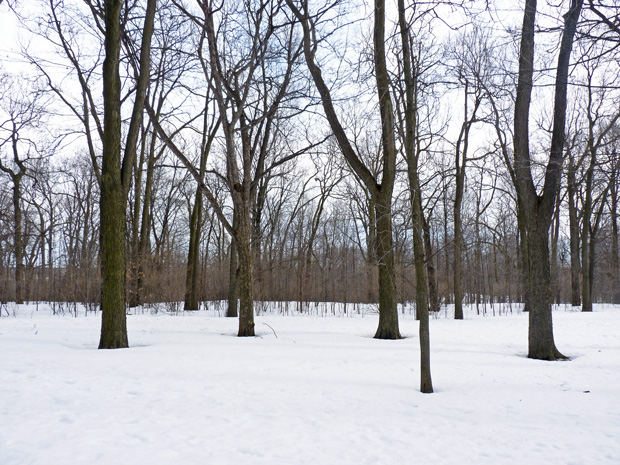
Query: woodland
[(386, 153)]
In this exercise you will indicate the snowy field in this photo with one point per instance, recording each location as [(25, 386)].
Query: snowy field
[(314, 390)]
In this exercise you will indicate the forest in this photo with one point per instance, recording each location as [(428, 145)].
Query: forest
[(424, 153)]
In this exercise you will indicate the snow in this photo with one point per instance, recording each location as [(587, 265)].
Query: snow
[(315, 390)]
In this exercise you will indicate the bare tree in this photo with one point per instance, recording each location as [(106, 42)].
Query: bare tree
[(538, 209), (380, 190), (23, 114), (116, 173)]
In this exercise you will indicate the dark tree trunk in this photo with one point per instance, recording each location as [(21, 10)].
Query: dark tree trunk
[(381, 193), (233, 273), (586, 282), (615, 258), (244, 283), (19, 242), (538, 209), (388, 312), (116, 177), (419, 223), (523, 257), (433, 295), (193, 256), (457, 268), (573, 221), (233, 276), (555, 234), (113, 201), (540, 336)]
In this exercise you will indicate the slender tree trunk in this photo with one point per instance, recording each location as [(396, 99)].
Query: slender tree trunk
[(555, 234), (134, 266), (193, 256), (586, 226), (615, 258), (381, 193), (233, 274), (433, 295), (575, 267), (244, 284), (458, 257), (19, 242), (419, 223)]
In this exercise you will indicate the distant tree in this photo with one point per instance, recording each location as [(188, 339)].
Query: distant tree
[(23, 112)]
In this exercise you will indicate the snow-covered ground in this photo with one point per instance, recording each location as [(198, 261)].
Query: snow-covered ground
[(314, 390)]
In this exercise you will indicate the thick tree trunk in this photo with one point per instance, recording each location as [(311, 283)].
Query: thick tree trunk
[(113, 200), (388, 312), (540, 337), (244, 284)]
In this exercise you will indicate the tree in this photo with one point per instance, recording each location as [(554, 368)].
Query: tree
[(538, 209), (380, 190), (412, 157), (116, 174), (23, 112)]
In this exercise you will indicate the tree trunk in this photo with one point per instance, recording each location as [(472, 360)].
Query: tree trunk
[(458, 257), (113, 201), (433, 296), (586, 229), (419, 223), (388, 312), (540, 336), (116, 177), (615, 258), (538, 209), (193, 257), (575, 268), (233, 273), (244, 285), (19, 243)]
